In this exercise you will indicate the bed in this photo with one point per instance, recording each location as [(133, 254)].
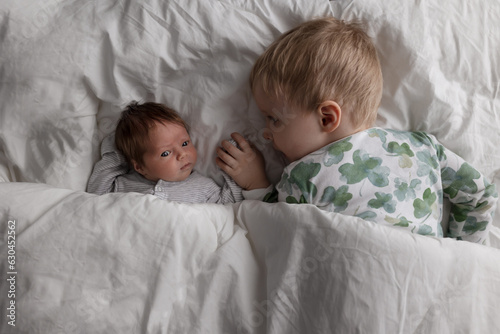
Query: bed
[(131, 263)]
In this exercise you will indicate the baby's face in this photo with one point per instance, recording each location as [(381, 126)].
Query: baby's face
[(291, 130), (170, 156)]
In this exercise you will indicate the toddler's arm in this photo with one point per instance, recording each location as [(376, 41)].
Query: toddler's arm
[(244, 164), (269, 194), (473, 198), (106, 170)]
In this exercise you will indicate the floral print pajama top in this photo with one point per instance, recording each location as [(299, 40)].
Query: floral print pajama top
[(394, 178)]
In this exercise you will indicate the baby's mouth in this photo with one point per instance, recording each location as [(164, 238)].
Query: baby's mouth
[(186, 166)]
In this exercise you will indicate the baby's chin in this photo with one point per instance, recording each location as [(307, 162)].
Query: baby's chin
[(179, 178), (184, 173)]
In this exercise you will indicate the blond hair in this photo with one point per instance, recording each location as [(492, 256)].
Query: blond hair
[(132, 131), (320, 60)]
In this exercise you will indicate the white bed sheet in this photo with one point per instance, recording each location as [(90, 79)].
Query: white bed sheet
[(129, 263), (160, 267)]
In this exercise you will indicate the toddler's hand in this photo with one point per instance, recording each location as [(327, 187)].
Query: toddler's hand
[(244, 164)]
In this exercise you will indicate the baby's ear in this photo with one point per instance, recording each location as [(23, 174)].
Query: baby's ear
[(137, 166), (330, 114)]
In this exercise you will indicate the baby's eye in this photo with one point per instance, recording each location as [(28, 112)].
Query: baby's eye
[(186, 143), (165, 154)]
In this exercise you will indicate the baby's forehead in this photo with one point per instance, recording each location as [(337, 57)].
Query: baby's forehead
[(166, 128)]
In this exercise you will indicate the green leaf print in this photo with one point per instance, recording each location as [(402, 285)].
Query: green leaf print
[(425, 230), (462, 180), (428, 159), (460, 211), (419, 138), (405, 162), (490, 189), (403, 149), (284, 184), (365, 167), (428, 166), (338, 198), (374, 132), (367, 215), (383, 200), (423, 207), (301, 176), (271, 197), (472, 225), (482, 207), (404, 190), (440, 152), (293, 200), (403, 222), (336, 151)]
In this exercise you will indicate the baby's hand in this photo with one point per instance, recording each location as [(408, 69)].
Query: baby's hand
[(244, 164)]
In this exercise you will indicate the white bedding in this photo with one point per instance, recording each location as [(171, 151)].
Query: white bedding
[(130, 263)]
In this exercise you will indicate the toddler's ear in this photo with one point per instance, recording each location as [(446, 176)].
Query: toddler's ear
[(330, 113)]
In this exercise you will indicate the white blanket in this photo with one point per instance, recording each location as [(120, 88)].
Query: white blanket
[(131, 263), (85, 266)]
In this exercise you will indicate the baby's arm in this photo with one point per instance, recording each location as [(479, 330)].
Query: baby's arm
[(230, 192), (244, 164), (106, 170), (473, 198)]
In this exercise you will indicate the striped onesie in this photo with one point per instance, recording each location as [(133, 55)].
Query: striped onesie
[(113, 174)]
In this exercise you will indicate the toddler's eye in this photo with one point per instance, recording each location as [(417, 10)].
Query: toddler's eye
[(186, 143), (272, 119), (165, 154)]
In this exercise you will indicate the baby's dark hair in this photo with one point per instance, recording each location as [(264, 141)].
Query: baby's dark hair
[(132, 131)]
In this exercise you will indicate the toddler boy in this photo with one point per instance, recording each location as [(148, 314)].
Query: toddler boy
[(319, 87)]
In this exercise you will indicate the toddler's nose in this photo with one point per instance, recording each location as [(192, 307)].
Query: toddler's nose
[(267, 134)]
